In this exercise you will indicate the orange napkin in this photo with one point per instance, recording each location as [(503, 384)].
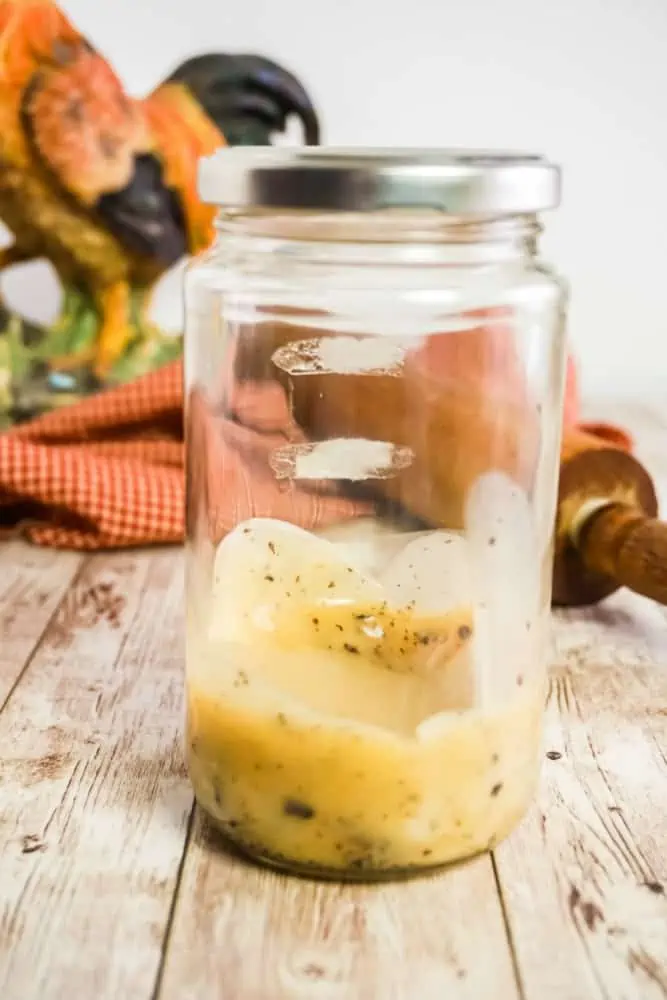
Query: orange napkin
[(102, 473), (108, 472)]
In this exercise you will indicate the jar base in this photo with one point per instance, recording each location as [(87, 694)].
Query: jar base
[(258, 855)]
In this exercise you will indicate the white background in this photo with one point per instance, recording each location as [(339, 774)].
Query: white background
[(584, 81)]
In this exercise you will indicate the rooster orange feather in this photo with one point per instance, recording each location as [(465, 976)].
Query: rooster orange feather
[(103, 184)]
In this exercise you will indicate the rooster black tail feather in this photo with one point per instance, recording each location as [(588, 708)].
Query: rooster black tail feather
[(248, 97)]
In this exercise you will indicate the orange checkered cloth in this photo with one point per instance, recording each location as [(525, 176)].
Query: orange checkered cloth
[(103, 473), (108, 472)]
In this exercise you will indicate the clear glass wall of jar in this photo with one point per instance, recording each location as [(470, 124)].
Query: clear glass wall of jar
[(375, 360)]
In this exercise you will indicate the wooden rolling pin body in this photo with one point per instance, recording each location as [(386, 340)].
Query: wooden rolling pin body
[(464, 413), (459, 405)]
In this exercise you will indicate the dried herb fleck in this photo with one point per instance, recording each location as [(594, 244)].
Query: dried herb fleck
[(496, 789), (349, 648)]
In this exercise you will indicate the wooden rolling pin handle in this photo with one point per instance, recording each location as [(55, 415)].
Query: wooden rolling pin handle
[(622, 543)]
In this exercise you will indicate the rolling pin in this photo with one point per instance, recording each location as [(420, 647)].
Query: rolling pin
[(458, 403), (607, 535), (472, 417)]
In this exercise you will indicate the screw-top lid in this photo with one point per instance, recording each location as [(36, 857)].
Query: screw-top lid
[(455, 181)]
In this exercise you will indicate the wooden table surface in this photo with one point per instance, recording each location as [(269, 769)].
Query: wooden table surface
[(111, 887)]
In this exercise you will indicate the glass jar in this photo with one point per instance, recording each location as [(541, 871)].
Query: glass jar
[(374, 361)]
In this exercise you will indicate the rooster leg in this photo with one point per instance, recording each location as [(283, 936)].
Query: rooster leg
[(114, 304)]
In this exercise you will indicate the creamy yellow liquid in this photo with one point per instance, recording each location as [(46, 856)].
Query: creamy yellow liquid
[(350, 797), (346, 739)]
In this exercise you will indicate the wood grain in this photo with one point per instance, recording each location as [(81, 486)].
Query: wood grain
[(32, 583), (584, 879), (242, 932), (95, 802), (587, 871), (103, 893)]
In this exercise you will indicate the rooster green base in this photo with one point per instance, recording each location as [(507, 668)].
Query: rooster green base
[(104, 186), (32, 383)]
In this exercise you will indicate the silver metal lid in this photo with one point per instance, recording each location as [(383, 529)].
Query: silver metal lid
[(455, 181)]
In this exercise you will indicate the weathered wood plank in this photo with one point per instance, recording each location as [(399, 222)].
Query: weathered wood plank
[(584, 879), (95, 801), (240, 931), (32, 583)]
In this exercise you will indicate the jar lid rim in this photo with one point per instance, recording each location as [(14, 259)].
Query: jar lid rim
[(459, 182)]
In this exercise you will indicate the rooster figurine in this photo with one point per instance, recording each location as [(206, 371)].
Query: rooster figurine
[(104, 185)]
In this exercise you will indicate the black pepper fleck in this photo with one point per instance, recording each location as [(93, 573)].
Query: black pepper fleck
[(349, 648), (464, 632), (656, 887), (339, 627), (316, 621), (427, 852), (331, 585), (519, 680), (272, 548), (554, 755), (301, 810), (282, 718), (496, 789), (492, 541), (269, 578)]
